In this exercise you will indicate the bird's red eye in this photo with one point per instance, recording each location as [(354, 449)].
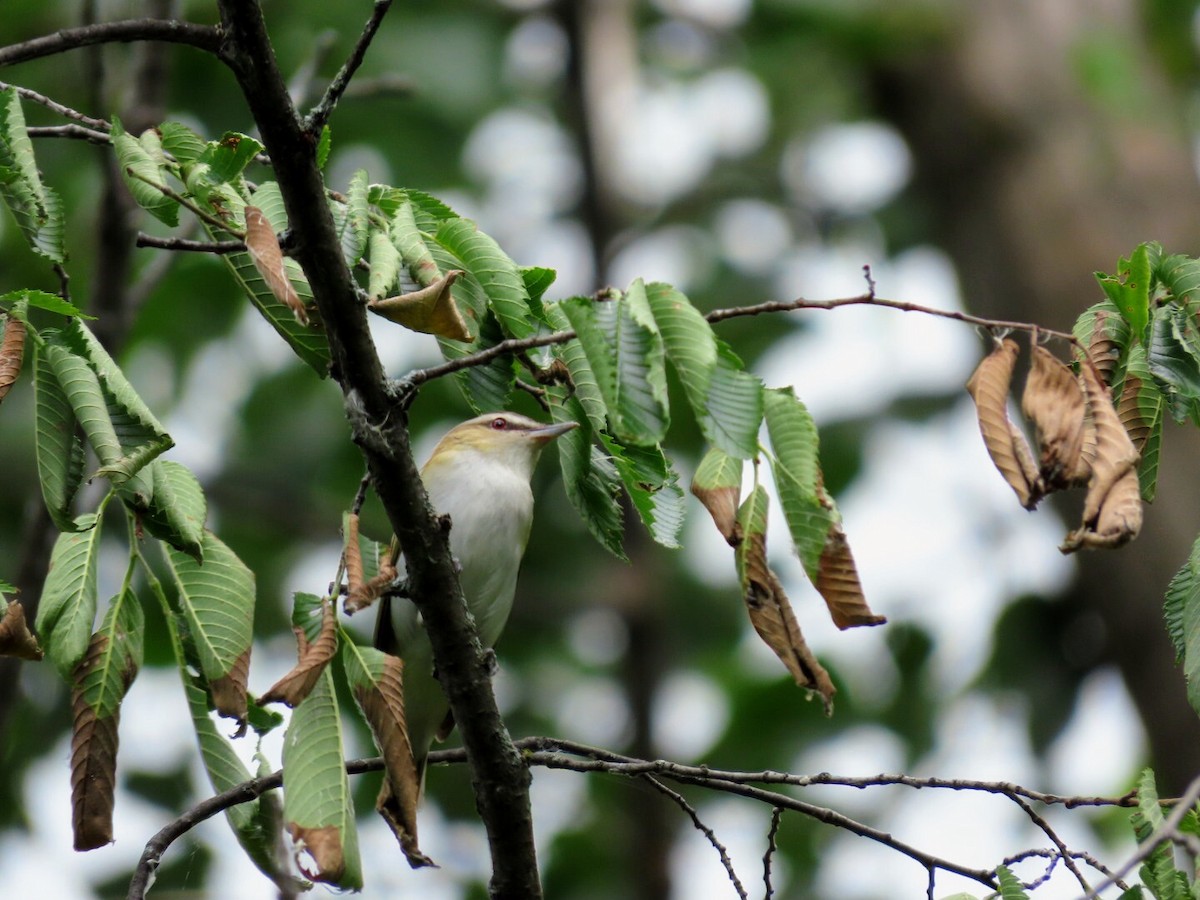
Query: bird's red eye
[(499, 423)]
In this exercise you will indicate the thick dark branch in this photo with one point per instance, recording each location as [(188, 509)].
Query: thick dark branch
[(499, 776), (323, 110), (171, 31)]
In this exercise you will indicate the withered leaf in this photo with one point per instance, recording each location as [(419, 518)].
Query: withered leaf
[(297, 684), (321, 845), (1112, 509), (267, 257), (382, 703), (837, 582), (12, 351), (229, 691), (1007, 447), (362, 593), (768, 605), (352, 554), (1054, 402), (718, 485), (15, 637), (429, 310)]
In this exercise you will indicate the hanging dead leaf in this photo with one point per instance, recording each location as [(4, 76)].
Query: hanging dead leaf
[(718, 485), (12, 352), (768, 605), (323, 846), (15, 637), (1054, 403), (229, 691), (352, 554), (1112, 509), (837, 582), (383, 706), (267, 257), (93, 755), (1007, 447), (429, 310), (297, 684)]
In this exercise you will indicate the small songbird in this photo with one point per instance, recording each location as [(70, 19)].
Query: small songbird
[(479, 474)]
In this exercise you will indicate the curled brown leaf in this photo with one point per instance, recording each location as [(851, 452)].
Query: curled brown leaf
[(429, 310), (229, 691), (722, 505), (837, 582), (267, 257), (988, 387), (12, 352), (297, 684), (15, 637), (323, 846), (1054, 403)]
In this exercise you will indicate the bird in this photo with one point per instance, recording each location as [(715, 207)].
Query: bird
[(479, 474)]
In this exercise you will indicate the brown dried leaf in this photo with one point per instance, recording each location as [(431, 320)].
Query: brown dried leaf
[(837, 582), (1131, 413), (383, 706), (370, 591), (229, 691), (15, 637), (1102, 350), (297, 684), (12, 351), (324, 847), (1112, 509), (1007, 447), (722, 505), (353, 554), (1054, 402), (429, 310), (772, 617), (267, 257), (93, 759)]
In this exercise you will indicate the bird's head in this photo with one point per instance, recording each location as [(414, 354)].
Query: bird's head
[(501, 438)]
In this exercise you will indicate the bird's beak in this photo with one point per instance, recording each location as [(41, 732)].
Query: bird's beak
[(547, 433)]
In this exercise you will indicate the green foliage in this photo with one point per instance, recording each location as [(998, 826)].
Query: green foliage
[(35, 207), (1010, 885), (68, 606), (1158, 872)]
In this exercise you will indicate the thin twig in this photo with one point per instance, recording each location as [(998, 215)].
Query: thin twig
[(74, 132), (772, 833), (320, 114), (56, 107), (682, 803), (185, 244), (173, 31), (1063, 852)]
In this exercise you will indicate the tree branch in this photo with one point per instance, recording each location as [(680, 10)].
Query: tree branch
[(56, 107), (322, 111), (171, 31), (379, 424), (185, 244)]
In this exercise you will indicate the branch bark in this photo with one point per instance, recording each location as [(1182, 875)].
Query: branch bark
[(171, 31)]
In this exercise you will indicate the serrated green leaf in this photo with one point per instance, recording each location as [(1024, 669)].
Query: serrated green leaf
[(1140, 407), (537, 279), (653, 487), (43, 300), (181, 142), (324, 145), (316, 792), (484, 262), (1181, 611), (178, 510), (113, 669), (358, 219), (428, 211), (36, 208), (1129, 289), (414, 248), (1158, 872), (309, 343), (725, 399), (143, 176), (487, 388), (797, 473), (590, 479), (583, 379), (60, 453), (217, 600), (385, 265), (1174, 360), (67, 610), (227, 158), (1010, 886), (1180, 275)]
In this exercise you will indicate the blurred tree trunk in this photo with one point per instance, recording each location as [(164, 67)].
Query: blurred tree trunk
[(1036, 176)]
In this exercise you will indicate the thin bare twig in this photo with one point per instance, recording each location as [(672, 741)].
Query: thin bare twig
[(56, 107), (185, 244), (772, 833), (679, 800), (73, 132), (323, 110), (173, 31), (1063, 852)]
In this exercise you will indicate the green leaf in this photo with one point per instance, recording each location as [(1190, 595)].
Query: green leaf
[(43, 300), (487, 388), (590, 479), (307, 342), (1181, 610), (1140, 407), (177, 512), (324, 145), (113, 669), (726, 400), (358, 219), (60, 453), (35, 207), (142, 172), (67, 610), (1129, 289), (1174, 359), (537, 279), (316, 792), (498, 276), (653, 487), (1180, 275), (228, 157), (1158, 872), (413, 245), (582, 377), (1010, 886), (797, 473), (217, 600), (181, 142), (385, 265)]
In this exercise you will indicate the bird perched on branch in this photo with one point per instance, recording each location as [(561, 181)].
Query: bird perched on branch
[(479, 474)]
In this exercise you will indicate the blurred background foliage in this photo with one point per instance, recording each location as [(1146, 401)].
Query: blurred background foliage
[(990, 154)]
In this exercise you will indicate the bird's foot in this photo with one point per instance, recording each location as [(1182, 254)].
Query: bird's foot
[(490, 665)]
